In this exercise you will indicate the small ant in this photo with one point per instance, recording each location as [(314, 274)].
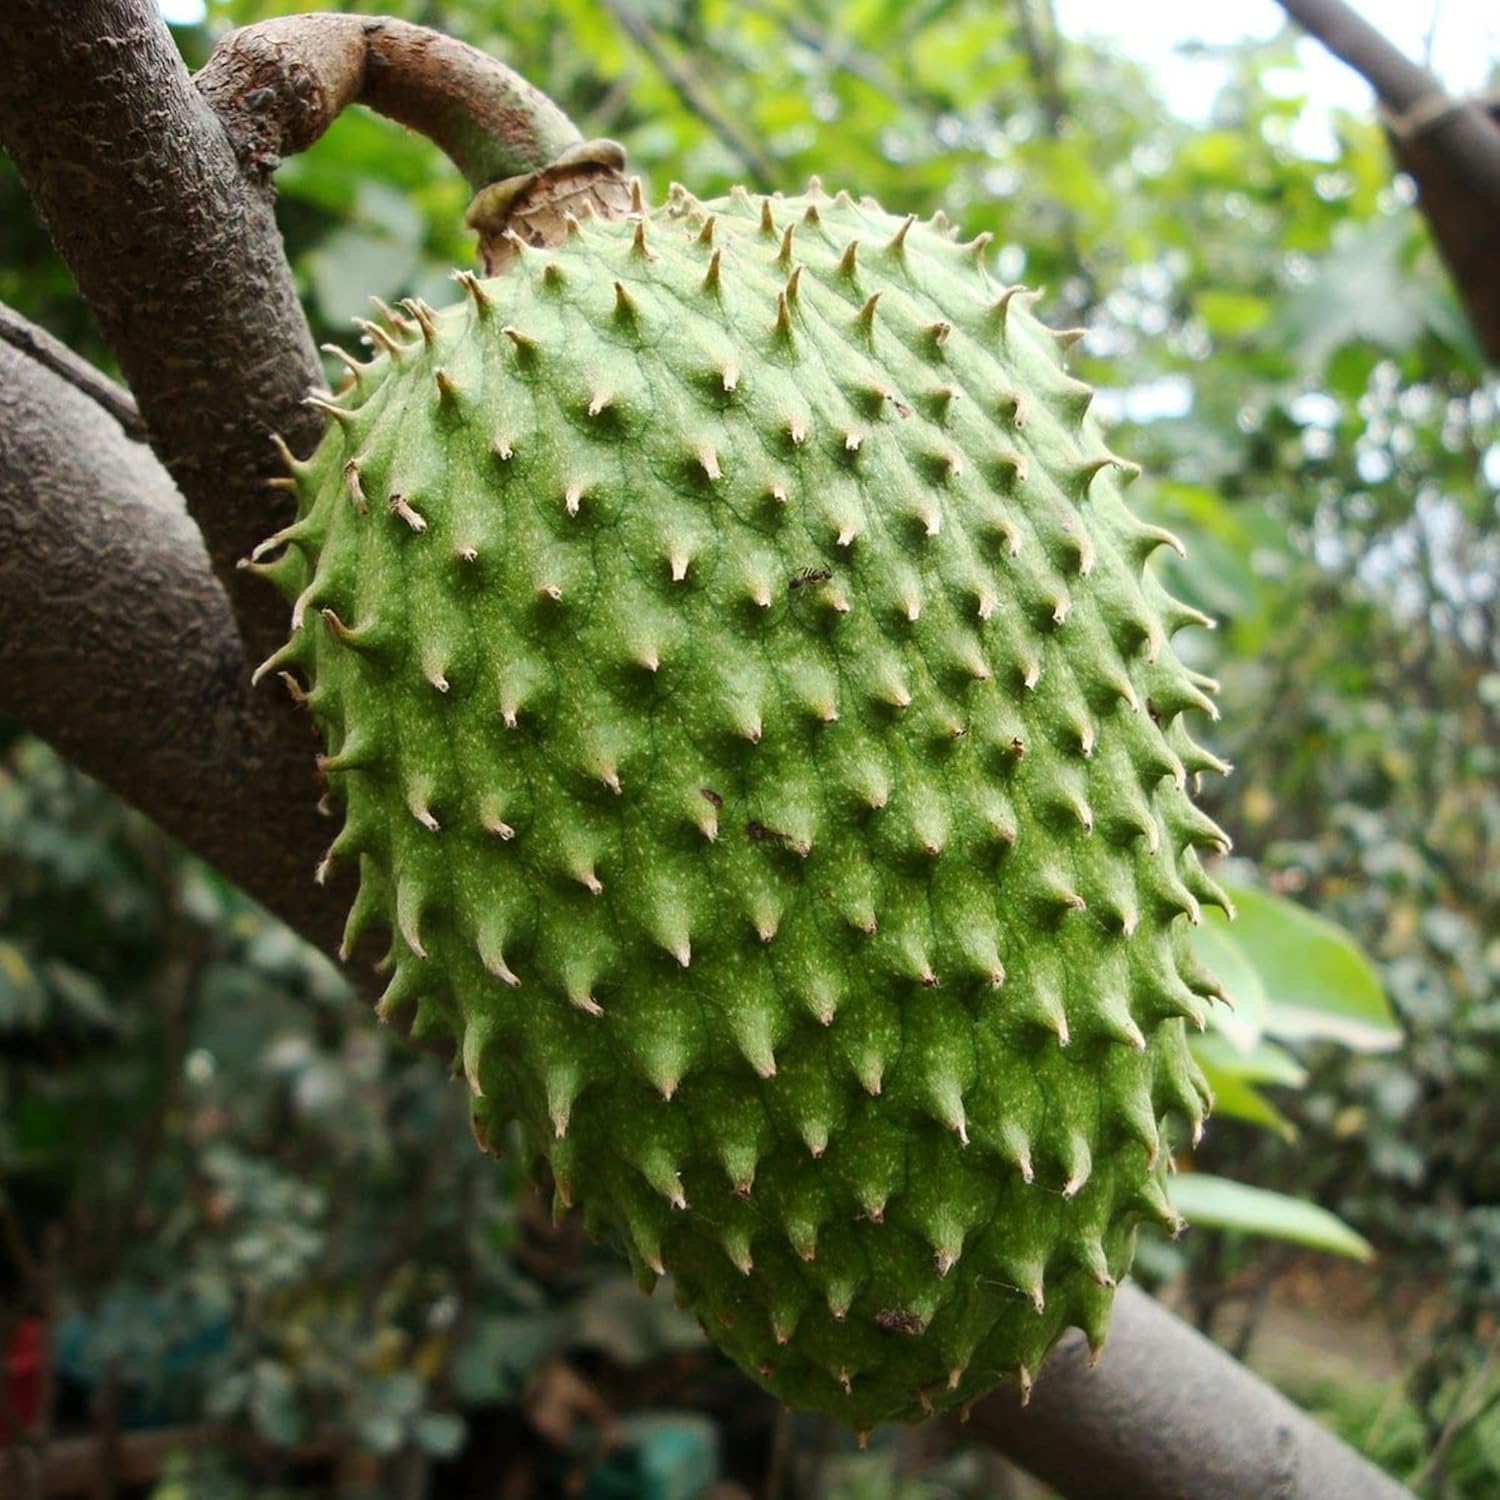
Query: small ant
[(812, 575)]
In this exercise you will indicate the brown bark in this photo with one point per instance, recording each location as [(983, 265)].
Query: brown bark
[(176, 252), (118, 647), (1166, 1413)]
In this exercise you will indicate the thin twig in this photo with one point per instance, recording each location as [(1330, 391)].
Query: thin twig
[(1040, 44), (1269, 1274), (836, 52), (757, 166), (781, 1449), (1462, 1415), (1429, 41), (1041, 57), (39, 345)]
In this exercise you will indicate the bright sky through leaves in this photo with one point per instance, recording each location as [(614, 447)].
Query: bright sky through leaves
[(1465, 43), (1465, 46)]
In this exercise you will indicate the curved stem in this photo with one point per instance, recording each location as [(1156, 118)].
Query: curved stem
[(278, 85)]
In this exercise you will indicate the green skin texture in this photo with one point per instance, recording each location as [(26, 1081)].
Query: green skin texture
[(757, 728)]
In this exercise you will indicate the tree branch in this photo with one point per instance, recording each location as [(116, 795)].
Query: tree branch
[(1166, 1413), (278, 85), (39, 345), (1451, 147), (117, 645), (1042, 60), (179, 257), (1408, 91)]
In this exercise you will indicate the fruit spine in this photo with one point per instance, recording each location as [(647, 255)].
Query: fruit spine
[(756, 723)]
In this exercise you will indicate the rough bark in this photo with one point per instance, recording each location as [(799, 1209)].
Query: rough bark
[(118, 647), (61, 360), (176, 252), (1167, 1415)]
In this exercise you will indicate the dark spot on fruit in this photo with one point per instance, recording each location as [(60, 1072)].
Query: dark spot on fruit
[(761, 834)]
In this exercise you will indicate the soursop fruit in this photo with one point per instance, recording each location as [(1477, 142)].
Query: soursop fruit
[(755, 722)]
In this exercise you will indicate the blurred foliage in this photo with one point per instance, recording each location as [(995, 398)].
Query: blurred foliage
[(228, 1196), (228, 1161)]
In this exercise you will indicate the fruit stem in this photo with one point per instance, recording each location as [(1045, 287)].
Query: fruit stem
[(277, 86)]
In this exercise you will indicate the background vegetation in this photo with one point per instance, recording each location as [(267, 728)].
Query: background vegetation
[(235, 1204)]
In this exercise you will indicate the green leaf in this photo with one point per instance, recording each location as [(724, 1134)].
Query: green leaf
[(23, 1002), (1318, 983), (1236, 1099), (393, 214), (1217, 1203), (1217, 946), (379, 1431), (353, 265), (1232, 314), (1360, 292), (273, 1404), (1268, 1063)]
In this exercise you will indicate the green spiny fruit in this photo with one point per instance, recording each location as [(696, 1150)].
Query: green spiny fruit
[(755, 723)]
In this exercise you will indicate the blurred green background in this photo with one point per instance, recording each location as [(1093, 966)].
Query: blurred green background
[(252, 1225)]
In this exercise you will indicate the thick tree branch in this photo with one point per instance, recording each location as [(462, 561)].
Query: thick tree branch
[(1451, 147), (178, 255), (117, 645), (278, 85), (1166, 1413)]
